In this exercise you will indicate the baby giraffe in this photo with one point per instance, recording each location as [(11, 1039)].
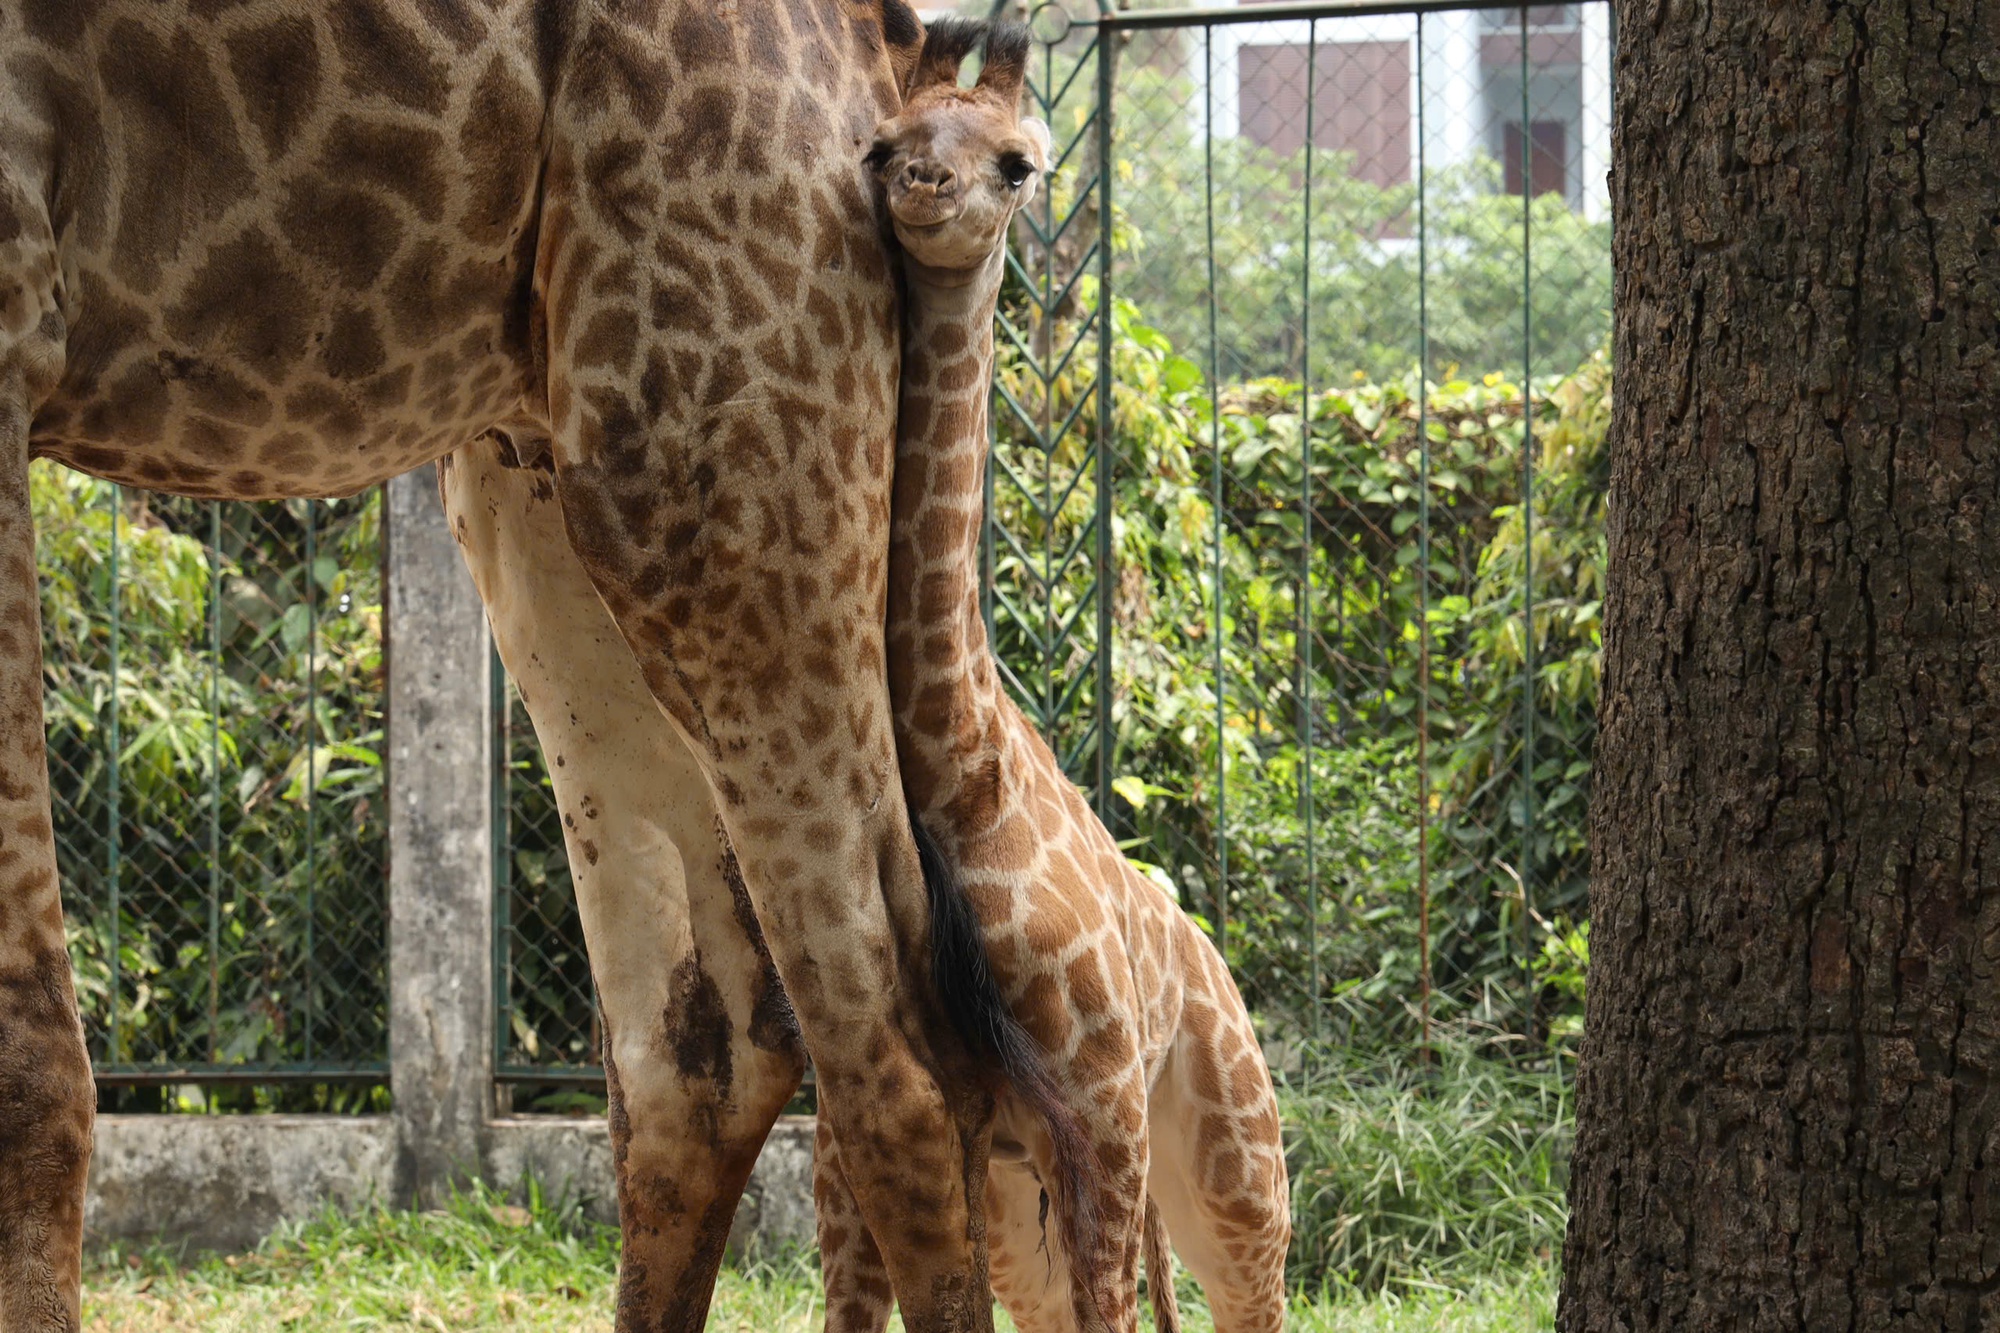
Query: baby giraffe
[(1139, 1025)]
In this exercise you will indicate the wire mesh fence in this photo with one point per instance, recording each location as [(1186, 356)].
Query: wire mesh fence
[(1293, 520), (547, 1031), (1345, 269), (1338, 737), (214, 692)]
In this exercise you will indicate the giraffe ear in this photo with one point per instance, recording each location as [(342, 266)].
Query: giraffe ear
[(1037, 131)]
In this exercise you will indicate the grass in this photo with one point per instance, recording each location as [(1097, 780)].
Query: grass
[(1454, 1170), (483, 1264)]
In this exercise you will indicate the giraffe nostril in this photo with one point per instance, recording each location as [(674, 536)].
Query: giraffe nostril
[(934, 174)]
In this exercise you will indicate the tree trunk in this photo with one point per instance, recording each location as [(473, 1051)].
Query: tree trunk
[(1788, 1116)]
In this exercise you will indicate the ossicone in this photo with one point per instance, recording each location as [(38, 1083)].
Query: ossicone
[(949, 41)]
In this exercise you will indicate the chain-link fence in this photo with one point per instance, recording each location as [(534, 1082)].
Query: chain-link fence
[(214, 697), (1328, 554), (1358, 290), (547, 1032), (1354, 265)]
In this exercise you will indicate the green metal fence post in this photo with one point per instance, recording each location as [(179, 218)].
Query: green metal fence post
[(1423, 567), (1527, 527), (503, 857), (214, 781), (113, 839), (1046, 352), (1215, 456), (1305, 614), (309, 962), (1106, 453)]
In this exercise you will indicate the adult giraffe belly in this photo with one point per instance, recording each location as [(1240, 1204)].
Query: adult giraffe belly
[(294, 243)]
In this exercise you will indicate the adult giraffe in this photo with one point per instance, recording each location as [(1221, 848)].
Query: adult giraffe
[(251, 250)]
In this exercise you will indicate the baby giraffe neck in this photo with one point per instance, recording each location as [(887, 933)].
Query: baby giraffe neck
[(942, 681)]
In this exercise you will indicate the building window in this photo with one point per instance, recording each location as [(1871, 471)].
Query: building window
[(1361, 103), (1549, 171), (1546, 18)]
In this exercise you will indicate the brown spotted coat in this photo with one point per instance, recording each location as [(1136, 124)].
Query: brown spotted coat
[(251, 249), (1136, 1008)]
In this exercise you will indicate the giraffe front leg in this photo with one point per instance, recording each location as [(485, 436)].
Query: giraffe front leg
[(775, 673), (701, 1052), (856, 1282), (47, 1099), (46, 1095)]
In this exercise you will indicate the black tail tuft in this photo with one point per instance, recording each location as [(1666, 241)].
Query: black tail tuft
[(978, 1013)]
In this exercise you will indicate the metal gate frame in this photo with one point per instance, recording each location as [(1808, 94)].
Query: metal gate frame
[(1092, 761)]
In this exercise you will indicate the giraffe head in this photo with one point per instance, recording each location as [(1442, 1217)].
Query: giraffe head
[(958, 163)]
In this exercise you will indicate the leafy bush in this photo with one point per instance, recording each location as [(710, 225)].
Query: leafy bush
[(1248, 714), (247, 914)]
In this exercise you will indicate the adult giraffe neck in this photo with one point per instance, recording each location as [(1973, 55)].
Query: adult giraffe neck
[(943, 685)]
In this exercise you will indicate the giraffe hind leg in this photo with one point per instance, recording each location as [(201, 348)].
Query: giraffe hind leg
[(700, 1052), (1030, 1262), (859, 1296), (1218, 1165)]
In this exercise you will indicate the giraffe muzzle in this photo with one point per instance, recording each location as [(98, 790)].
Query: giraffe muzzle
[(926, 202)]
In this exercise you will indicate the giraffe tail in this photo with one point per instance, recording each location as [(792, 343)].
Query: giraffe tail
[(1160, 1272), (979, 1014)]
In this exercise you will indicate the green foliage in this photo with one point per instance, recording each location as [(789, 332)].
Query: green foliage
[(1321, 644), (1364, 257), (242, 898), (1406, 1173)]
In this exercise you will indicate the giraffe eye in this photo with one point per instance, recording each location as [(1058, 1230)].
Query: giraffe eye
[(1015, 170), (878, 156)]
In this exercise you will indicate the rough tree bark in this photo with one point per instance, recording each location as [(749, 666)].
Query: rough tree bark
[(1788, 1116)]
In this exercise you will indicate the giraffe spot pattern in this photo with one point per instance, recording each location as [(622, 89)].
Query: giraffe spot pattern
[(277, 72), (172, 105), (381, 56), (301, 280), (1134, 1007)]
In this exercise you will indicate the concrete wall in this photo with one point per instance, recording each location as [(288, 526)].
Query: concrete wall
[(226, 1182), (776, 1212), (223, 1182)]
